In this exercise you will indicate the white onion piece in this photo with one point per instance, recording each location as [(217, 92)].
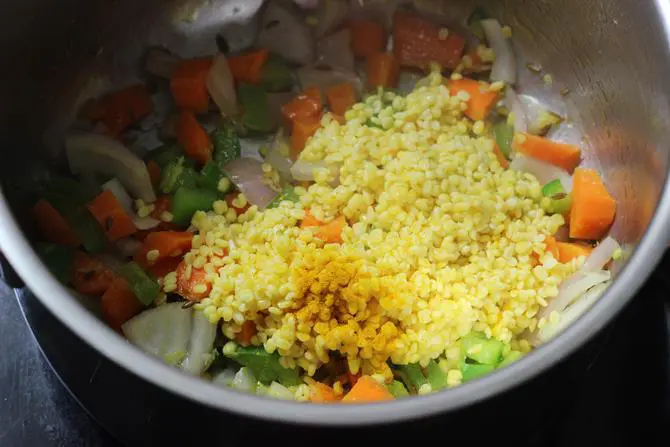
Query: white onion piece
[(335, 51), (285, 33), (516, 109), (244, 380), (142, 223), (572, 288), (539, 118), (278, 155), (224, 378), (504, 67), (92, 152), (279, 391), (544, 172), (571, 314), (329, 15), (310, 76), (221, 86), (200, 346), (145, 223), (247, 175), (601, 255), (160, 62), (163, 332), (304, 171), (128, 246)]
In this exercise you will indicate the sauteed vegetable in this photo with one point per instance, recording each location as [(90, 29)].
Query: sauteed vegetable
[(314, 227)]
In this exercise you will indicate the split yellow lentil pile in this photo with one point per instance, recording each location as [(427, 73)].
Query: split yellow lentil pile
[(440, 241)]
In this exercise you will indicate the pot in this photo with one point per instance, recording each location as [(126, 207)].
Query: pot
[(611, 54)]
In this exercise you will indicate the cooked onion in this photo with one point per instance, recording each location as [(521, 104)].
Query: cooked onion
[(304, 170), (142, 223), (247, 175), (278, 155), (128, 246), (504, 67), (335, 51), (572, 288), (285, 33), (200, 346), (516, 109), (244, 380), (601, 255), (329, 15), (221, 86), (310, 76), (544, 172)]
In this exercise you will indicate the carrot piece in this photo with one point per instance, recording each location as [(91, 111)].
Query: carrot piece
[(321, 393), (566, 156), (340, 98), (302, 131), (119, 304), (482, 98), (310, 221), (331, 233), (53, 227), (189, 84), (382, 70), (162, 268), (552, 246), (112, 216), (307, 104), (593, 207), (230, 197), (567, 251), (367, 389), (154, 173), (89, 275), (118, 110), (189, 284), (248, 331), (161, 205), (367, 37), (168, 244), (196, 142), (504, 162), (247, 67), (418, 43)]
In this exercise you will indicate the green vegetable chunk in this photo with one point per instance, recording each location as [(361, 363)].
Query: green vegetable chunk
[(166, 154), (436, 377), (288, 194), (227, 145), (472, 371), (145, 288), (552, 188), (276, 76), (254, 101), (412, 376), (82, 222), (510, 358), (177, 174), (265, 366), (397, 389), (474, 23), (187, 201), (477, 347), (504, 135), (70, 189), (560, 204), (209, 177), (58, 260)]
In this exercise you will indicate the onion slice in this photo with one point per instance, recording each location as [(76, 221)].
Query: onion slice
[(310, 76), (516, 109), (335, 51), (221, 86), (92, 152), (247, 175), (142, 223), (285, 33), (304, 171), (200, 346), (128, 246), (504, 67), (573, 288), (278, 155), (601, 255), (544, 172), (329, 15)]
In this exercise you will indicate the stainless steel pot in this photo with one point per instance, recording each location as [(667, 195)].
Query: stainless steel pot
[(612, 54)]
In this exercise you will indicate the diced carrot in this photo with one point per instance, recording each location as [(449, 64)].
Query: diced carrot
[(167, 244), (118, 110), (154, 173), (248, 67), (367, 37), (382, 70), (482, 98), (331, 233), (321, 393), (504, 162), (53, 227), (307, 104), (567, 251), (593, 207), (89, 275), (247, 332), (566, 156), (367, 389), (340, 98), (161, 205), (230, 198), (196, 142), (552, 246), (162, 268), (119, 304), (302, 130), (189, 84), (112, 216), (310, 221), (418, 43), (192, 283)]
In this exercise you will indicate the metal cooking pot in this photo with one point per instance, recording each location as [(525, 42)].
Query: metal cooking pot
[(612, 55)]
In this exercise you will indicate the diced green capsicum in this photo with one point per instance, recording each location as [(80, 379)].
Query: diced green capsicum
[(145, 288), (472, 371), (187, 201), (436, 377), (82, 222), (397, 389), (504, 135), (227, 145), (483, 350), (559, 202), (177, 174), (552, 188), (254, 101), (166, 154), (209, 177), (510, 358), (411, 375), (475, 25), (288, 194), (276, 76), (265, 366), (58, 260)]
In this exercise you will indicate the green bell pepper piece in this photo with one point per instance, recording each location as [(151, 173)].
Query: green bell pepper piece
[(82, 222), (436, 377), (145, 288), (276, 76), (510, 358), (474, 23), (477, 347), (265, 366), (412, 376), (288, 194), (559, 204), (472, 371), (504, 135), (254, 101), (58, 260), (397, 389), (209, 177), (187, 201), (227, 145), (166, 154), (552, 188), (177, 174), (70, 189)]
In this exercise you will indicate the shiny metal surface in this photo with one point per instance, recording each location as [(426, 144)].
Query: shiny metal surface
[(611, 54)]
